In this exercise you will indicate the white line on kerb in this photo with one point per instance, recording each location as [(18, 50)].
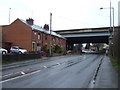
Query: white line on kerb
[(92, 84)]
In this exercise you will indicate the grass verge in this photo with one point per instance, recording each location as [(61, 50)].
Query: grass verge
[(115, 64)]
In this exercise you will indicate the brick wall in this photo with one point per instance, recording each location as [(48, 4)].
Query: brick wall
[(45, 40), (18, 34)]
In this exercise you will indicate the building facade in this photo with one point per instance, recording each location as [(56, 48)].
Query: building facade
[(29, 36)]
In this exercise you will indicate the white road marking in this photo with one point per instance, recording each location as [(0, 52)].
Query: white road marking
[(45, 66), (22, 73), (20, 76)]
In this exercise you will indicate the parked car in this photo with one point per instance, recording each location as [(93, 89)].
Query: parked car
[(17, 49), (86, 51), (3, 51), (89, 52)]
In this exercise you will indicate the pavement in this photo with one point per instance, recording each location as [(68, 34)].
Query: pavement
[(107, 76)]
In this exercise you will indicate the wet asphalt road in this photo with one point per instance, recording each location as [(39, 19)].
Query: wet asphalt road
[(72, 71)]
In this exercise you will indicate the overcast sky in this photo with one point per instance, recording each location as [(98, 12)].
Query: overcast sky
[(66, 14)]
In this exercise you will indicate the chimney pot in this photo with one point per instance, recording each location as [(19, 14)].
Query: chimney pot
[(30, 21)]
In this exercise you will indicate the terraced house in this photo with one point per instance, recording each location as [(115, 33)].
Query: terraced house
[(26, 34)]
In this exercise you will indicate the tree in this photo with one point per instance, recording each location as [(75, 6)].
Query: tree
[(44, 48), (58, 49)]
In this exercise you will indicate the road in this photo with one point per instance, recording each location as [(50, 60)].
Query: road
[(71, 71)]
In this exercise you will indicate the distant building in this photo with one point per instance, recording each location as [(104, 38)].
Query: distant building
[(29, 36)]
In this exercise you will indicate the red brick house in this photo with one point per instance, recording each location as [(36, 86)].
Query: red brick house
[(29, 36)]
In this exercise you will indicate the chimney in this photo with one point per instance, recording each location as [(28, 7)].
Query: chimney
[(30, 21), (46, 27)]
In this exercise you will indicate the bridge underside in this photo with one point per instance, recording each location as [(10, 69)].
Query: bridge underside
[(77, 40)]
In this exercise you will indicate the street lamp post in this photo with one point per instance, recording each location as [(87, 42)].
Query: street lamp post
[(110, 17), (113, 21), (9, 15), (111, 36), (50, 50)]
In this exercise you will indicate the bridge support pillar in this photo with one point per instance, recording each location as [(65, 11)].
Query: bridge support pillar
[(70, 46), (80, 48)]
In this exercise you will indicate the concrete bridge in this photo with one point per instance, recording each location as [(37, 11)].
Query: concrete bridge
[(86, 35)]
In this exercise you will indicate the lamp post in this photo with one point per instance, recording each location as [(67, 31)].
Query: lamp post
[(110, 16), (111, 36), (50, 50), (113, 20), (9, 15)]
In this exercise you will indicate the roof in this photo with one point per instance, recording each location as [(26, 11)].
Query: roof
[(39, 28)]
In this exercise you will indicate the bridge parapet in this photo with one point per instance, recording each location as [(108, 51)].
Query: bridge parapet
[(88, 30)]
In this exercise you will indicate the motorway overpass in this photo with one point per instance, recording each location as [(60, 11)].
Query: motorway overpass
[(86, 35)]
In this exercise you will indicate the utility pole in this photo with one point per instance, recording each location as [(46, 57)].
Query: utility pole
[(9, 15), (50, 50), (110, 17), (113, 21), (110, 37)]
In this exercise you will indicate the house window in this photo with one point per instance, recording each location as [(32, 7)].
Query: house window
[(35, 33), (46, 37), (38, 36), (53, 39), (63, 41), (59, 41)]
